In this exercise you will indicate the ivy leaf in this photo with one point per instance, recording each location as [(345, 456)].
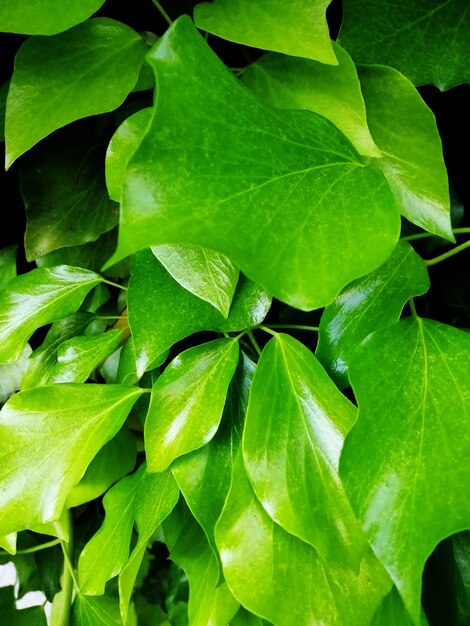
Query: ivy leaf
[(77, 358), (12, 373), (281, 578), (64, 191), (114, 460), (156, 300), (294, 430), (45, 17), (411, 382), (298, 28), (44, 358), (392, 612), (209, 602), (367, 304), (245, 618), (65, 74), (41, 430), (426, 40), (33, 616), (7, 264), (207, 274), (89, 611), (204, 476), (37, 298), (332, 91), (223, 171), (187, 401), (405, 130)]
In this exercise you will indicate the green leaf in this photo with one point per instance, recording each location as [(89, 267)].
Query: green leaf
[(298, 28), (8, 543), (392, 612), (204, 476), (44, 358), (209, 602), (405, 130), (12, 373), (426, 40), (113, 461), (332, 91), (37, 298), (187, 401), (156, 300), (3, 105), (281, 578), (44, 17), (245, 618), (294, 431), (406, 459), (41, 430), (208, 275), (60, 79), (7, 264), (89, 611), (223, 171), (33, 616), (64, 192), (77, 358), (367, 304)]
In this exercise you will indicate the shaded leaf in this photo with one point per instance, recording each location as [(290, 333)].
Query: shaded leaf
[(187, 401), (332, 91), (65, 74), (32, 300), (33, 616), (223, 171), (406, 458), (298, 28), (157, 301), (245, 618), (12, 373), (41, 430), (426, 40), (392, 612), (7, 264), (3, 105), (367, 304)]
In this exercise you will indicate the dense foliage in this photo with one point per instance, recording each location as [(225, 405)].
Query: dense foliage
[(235, 375)]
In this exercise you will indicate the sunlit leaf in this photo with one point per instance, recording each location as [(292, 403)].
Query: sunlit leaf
[(89, 611)]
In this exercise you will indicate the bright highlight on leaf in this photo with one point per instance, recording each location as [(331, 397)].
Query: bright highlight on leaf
[(406, 459)]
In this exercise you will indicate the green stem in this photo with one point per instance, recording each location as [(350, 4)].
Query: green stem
[(69, 581), (412, 306), (110, 282), (41, 546), (111, 317), (291, 326), (268, 330), (254, 342), (165, 15), (447, 255), (456, 231)]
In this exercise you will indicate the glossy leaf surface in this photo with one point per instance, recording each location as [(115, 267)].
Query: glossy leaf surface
[(367, 304), (37, 298), (157, 301), (427, 40), (332, 91), (65, 74), (209, 602), (294, 431), (406, 459), (204, 476), (297, 28), (187, 402), (44, 17), (11, 374), (281, 578), (405, 130), (41, 430), (224, 171)]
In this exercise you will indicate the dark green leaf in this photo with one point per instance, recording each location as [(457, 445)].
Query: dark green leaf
[(223, 171), (37, 298), (60, 79), (3, 105), (156, 300), (367, 304), (406, 459), (405, 130), (427, 40), (41, 430), (44, 17), (332, 91), (34, 616), (245, 618), (50, 564), (297, 27), (7, 264), (187, 401)]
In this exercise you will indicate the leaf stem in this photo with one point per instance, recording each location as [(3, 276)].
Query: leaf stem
[(268, 330), (290, 326), (254, 342), (164, 14), (448, 254), (456, 231), (110, 282), (412, 306), (41, 546), (69, 581)]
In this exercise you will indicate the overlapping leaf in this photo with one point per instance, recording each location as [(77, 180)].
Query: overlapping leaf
[(298, 28), (282, 193), (406, 458), (367, 304), (60, 79), (41, 431), (7, 264)]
